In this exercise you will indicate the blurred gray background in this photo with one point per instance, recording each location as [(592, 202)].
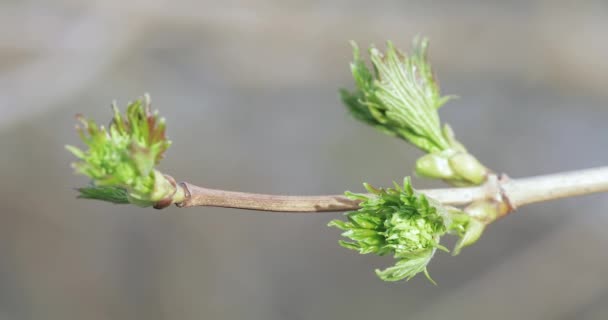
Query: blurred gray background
[(249, 90)]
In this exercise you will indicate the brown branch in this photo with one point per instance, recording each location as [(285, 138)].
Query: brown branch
[(515, 192), (199, 196)]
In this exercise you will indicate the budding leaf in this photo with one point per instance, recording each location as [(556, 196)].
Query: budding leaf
[(120, 160), (400, 97), (395, 221), (408, 225)]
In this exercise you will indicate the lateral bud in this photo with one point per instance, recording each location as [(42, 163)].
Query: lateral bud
[(456, 167), (435, 166), (480, 214), (472, 233), (468, 168), (485, 211)]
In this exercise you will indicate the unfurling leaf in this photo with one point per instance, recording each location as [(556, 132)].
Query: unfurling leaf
[(408, 225), (408, 266), (400, 97), (120, 160), (395, 221)]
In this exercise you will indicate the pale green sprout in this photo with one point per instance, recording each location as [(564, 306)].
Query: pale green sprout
[(404, 223), (400, 97), (121, 160)]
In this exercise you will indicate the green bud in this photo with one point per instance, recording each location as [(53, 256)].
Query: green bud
[(479, 214), (163, 188), (408, 225), (472, 233), (395, 221), (434, 166), (120, 160), (456, 167), (468, 168), (485, 210)]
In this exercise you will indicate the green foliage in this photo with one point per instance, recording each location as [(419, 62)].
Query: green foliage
[(408, 225), (394, 221), (109, 194), (400, 97), (120, 160)]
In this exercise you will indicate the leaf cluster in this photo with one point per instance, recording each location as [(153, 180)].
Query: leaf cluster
[(399, 95), (395, 221), (120, 160)]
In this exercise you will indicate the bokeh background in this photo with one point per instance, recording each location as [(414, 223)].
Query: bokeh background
[(249, 90)]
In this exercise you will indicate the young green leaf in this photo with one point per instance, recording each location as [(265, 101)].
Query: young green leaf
[(109, 194), (120, 160), (408, 266), (408, 225), (394, 221), (400, 97)]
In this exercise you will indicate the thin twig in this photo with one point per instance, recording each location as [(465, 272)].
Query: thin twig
[(555, 186), (517, 192), (199, 196)]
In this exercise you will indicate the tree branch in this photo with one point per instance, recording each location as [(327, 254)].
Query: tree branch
[(517, 192), (555, 186)]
